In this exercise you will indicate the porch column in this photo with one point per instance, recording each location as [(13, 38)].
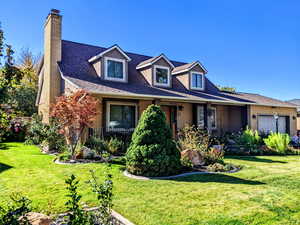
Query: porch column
[(208, 119)]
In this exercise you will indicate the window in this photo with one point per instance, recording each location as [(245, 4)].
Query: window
[(121, 116), (213, 117), (197, 81), (200, 116), (162, 76), (114, 69)]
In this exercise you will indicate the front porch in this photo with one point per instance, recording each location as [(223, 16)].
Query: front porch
[(122, 115)]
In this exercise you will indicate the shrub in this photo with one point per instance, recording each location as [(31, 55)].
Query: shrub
[(11, 212), (278, 142), (213, 155), (39, 133), (220, 167), (250, 139), (65, 156), (152, 151), (114, 145), (194, 138), (97, 144), (76, 215), (104, 196)]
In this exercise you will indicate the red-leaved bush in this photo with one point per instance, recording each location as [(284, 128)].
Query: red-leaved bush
[(75, 112)]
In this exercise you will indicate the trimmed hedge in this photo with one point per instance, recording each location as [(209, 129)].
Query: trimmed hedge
[(152, 151)]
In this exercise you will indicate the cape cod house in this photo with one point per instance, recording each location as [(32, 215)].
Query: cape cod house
[(126, 83)]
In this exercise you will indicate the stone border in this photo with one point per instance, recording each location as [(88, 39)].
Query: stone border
[(117, 218), (56, 161), (127, 174)]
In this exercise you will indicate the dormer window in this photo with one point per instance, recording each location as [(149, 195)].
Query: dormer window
[(197, 81), (114, 69), (161, 75)]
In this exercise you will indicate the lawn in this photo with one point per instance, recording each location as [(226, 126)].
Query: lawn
[(265, 191)]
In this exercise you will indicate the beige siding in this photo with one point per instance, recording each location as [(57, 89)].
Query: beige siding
[(147, 73), (267, 110), (298, 123), (184, 79), (98, 67), (185, 117), (198, 69)]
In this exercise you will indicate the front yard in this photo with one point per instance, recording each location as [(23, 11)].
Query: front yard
[(265, 191)]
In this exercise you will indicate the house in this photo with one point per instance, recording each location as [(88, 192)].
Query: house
[(297, 103), (126, 83)]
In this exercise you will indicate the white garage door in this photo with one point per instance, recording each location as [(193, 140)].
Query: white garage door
[(268, 123)]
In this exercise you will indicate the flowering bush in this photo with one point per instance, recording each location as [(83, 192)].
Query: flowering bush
[(278, 142)]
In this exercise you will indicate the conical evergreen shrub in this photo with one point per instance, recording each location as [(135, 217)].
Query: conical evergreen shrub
[(152, 151)]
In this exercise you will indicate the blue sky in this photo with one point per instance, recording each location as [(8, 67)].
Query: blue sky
[(251, 45)]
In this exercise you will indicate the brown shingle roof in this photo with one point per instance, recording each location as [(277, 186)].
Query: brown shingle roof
[(76, 69)]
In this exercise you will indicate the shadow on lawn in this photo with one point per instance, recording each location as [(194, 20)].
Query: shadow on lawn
[(255, 159), (217, 178), (3, 146), (4, 167)]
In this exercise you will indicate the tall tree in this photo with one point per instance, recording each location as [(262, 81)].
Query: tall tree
[(28, 64)]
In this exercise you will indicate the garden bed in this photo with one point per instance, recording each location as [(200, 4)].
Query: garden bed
[(196, 171)]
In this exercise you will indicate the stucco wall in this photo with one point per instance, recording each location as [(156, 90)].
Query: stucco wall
[(185, 117), (268, 110), (298, 123)]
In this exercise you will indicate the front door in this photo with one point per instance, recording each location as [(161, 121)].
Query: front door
[(171, 117)]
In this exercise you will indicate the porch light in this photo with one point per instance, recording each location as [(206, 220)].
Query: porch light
[(254, 116)]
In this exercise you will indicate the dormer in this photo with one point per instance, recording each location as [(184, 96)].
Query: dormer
[(111, 64), (191, 75), (157, 71)]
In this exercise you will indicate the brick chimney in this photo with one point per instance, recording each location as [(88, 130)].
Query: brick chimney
[(52, 55)]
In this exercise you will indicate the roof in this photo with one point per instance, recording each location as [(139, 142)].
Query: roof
[(108, 50), (296, 102), (152, 60), (76, 69), (187, 67)]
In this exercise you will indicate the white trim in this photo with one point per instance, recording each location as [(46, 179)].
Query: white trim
[(67, 80), (191, 67), (168, 84), (202, 81), (158, 58), (108, 50), (198, 118), (216, 125), (106, 77), (121, 103)]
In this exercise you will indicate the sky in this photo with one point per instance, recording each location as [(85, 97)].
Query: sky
[(251, 45)]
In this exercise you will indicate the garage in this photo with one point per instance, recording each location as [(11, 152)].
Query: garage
[(270, 123)]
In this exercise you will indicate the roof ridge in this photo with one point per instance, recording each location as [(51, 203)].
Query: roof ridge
[(80, 43)]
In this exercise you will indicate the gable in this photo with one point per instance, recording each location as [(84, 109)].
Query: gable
[(114, 53), (197, 68), (162, 62)]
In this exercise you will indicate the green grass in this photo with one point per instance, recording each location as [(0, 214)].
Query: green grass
[(265, 191)]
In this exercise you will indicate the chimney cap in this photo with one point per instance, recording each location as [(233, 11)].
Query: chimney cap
[(55, 11)]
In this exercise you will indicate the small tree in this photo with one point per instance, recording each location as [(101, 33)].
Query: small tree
[(75, 113), (152, 151)]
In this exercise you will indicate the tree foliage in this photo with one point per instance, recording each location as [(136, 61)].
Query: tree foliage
[(228, 89), (75, 113), (152, 151)]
